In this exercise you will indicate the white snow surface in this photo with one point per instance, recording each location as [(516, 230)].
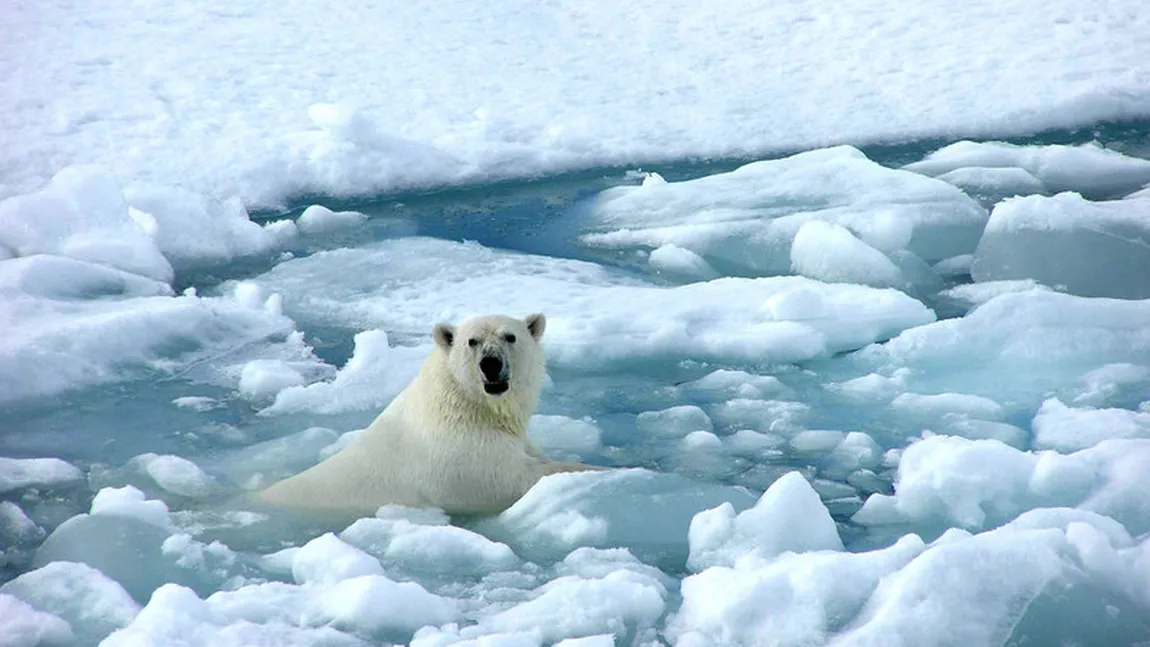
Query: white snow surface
[(386, 95)]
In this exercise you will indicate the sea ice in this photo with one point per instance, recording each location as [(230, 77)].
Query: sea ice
[(565, 511), (404, 286), (376, 372), (978, 484), (21, 625), (20, 473), (328, 559), (429, 548), (1089, 169), (82, 214), (1094, 249), (193, 230), (831, 253), (747, 221), (788, 517), (1069, 429), (794, 599), (318, 219), (92, 603), (1017, 346), (70, 324)]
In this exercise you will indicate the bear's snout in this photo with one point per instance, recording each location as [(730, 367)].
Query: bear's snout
[(492, 369)]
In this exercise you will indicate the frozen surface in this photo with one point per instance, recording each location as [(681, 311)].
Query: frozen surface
[(69, 324), (757, 219), (1089, 169), (19, 473), (977, 484), (1067, 429), (1018, 345), (789, 517), (1094, 249), (91, 602), (367, 103), (595, 316)]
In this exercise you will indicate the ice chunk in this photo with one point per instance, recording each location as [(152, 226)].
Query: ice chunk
[(376, 373), (1066, 429), (23, 626), (677, 262), (831, 253), (422, 548), (264, 378), (81, 214), (327, 559), (991, 184), (129, 501), (1028, 572), (16, 527), (177, 475), (970, 295), (197, 403), (562, 435), (69, 325), (595, 315), (981, 483), (1105, 382), (795, 599), (1019, 346), (175, 615), (126, 549), (788, 517), (20, 473), (564, 511), (372, 605), (318, 219), (954, 266), (768, 416), (622, 602), (872, 387), (1089, 169), (194, 230), (92, 603), (920, 407), (724, 384), (814, 441), (744, 221), (1095, 249), (675, 422)]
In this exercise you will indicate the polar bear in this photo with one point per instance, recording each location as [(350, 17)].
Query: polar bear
[(455, 438)]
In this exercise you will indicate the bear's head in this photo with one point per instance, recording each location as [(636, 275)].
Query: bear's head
[(495, 356)]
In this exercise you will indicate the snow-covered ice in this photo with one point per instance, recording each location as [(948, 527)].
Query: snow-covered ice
[(758, 218), (454, 93), (860, 376)]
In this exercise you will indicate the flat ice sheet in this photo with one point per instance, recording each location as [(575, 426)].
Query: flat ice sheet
[(275, 98)]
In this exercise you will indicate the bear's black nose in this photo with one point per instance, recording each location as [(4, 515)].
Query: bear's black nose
[(492, 368)]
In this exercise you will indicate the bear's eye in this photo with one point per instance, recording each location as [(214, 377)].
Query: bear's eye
[(509, 338), (473, 342)]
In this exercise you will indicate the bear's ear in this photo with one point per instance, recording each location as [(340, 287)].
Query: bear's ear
[(444, 335), (536, 323)]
